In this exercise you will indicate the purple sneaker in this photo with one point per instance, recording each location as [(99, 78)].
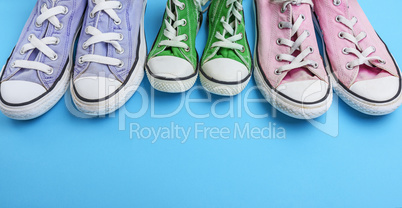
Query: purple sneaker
[(37, 73), (110, 57)]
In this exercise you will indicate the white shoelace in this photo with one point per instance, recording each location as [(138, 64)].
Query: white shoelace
[(175, 40), (98, 37), (362, 55), (235, 7), (299, 61), (42, 44)]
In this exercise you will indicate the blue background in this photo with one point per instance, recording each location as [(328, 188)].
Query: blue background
[(60, 160)]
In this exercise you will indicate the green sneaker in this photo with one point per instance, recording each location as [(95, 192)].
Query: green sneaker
[(226, 63), (173, 61)]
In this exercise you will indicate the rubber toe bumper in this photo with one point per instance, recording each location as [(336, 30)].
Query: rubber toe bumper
[(307, 91), (95, 88), (17, 92), (381, 89), (224, 76)]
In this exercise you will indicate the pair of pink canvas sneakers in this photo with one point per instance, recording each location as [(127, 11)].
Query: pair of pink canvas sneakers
[(293, 76)]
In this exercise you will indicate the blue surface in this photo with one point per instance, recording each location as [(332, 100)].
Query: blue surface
[(60, 160)]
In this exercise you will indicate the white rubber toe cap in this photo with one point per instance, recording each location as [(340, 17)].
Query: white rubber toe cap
[(94, 88), (170, 67), (225, 70), (17, 92), (381, 89), (307, 91)]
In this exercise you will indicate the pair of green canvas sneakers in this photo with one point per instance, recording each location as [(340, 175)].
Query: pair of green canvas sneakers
[(225, 67)]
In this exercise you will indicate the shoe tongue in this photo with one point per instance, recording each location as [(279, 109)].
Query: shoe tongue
[(105, 24), (369, 73), (226, 52), (299, 74), (171, 51)]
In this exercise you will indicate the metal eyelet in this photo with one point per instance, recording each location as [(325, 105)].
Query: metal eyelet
[(242, 36), (277, 72), (243, 49), (80, 61), (187, 49), (185, 22), (87, 30), (374, 49), (315, 65), (65, 10), (278, 58), (57, 41), (60, 26), (338, 18), (337, 2), (84, 46), (37, 24), (182, 7), (344, 51), (121, 64), (22, 52), (50, 71), (55, 57), (303, 17), (383, 62), (30, 37), (311, 49), (340, 35), (118, 22), (13, 65), (120, 6), (308, 33), (121, 37), (91, 15), (280, 25), (348, 66), (185, 37), (278, 41), (283, 10)]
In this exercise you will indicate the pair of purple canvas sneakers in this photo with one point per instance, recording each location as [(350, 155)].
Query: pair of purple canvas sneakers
[(108, 66)]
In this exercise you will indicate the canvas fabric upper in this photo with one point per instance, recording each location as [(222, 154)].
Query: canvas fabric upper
[(269, 16), (130, 15), (71, 22), (217, 10), (327, 13), (192, 15)]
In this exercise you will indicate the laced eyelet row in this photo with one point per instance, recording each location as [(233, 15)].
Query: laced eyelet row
[(61, 25)]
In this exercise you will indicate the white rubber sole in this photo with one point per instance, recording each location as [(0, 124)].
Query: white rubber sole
[(221, 88), (288, 107), (363, 106), (119, 99), (171, 86), (47, 102), (284, 105)]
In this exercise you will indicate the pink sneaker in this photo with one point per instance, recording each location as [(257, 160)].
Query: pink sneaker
[(367, 76), (289, 69)]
